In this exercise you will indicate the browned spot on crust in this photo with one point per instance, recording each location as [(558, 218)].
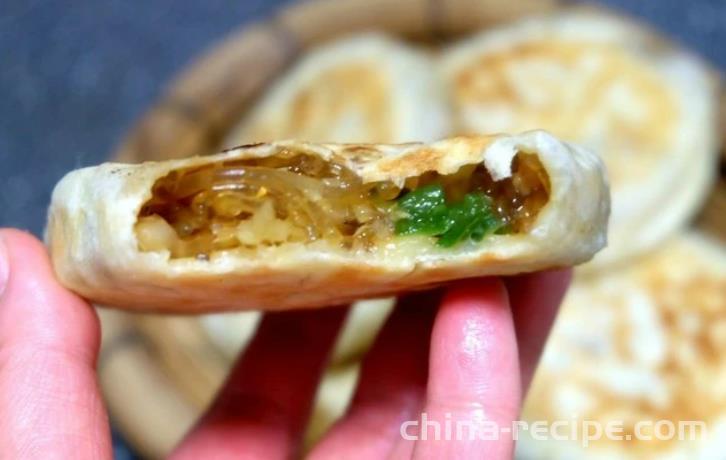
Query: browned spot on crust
[(422, 160), (360, 154)]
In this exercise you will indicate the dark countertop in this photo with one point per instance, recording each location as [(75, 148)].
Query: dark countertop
[(75, 75)]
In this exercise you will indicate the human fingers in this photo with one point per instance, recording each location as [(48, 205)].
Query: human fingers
[(262, 409), (391, 387), (50, 405), (535, 299), (474, 379)]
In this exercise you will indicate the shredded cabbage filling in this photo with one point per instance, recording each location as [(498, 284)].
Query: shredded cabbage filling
[(296, 197)]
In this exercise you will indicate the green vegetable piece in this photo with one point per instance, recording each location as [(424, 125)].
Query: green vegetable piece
[(429, 214), (423, 200), (470, 218), (426, 210)]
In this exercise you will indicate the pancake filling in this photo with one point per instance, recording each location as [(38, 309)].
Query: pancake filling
[(296, 197)]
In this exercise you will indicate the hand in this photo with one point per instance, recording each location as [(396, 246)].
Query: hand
[(460, 354)]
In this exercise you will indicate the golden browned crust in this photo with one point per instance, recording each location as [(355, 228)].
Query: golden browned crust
[(95, 252)]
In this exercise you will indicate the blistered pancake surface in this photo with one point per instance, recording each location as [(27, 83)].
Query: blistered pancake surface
[(644, 106), (648, 343), (588, 92), (341, 103), (365, 88)]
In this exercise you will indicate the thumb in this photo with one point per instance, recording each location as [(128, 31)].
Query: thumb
[(49, 339)]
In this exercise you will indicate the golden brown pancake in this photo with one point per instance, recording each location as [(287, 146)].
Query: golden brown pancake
[(366, 88), (298, 225), (645, 343), (646, 107)]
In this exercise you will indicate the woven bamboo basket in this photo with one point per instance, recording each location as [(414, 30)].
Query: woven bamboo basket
[(159, 372)]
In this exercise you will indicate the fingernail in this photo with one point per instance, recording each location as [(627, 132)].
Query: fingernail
[(4, 265)]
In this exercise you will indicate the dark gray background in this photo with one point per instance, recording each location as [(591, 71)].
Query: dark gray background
[(75, 75)]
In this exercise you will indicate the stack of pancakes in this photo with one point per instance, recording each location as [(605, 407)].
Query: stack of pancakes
[(642, 334)]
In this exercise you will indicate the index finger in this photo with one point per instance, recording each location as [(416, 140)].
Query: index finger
[(473, 374)]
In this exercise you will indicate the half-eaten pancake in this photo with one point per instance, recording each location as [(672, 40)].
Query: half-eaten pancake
[(292, 224)]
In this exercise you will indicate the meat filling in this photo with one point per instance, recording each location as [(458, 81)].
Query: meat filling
[(295, 197)]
